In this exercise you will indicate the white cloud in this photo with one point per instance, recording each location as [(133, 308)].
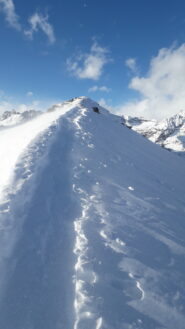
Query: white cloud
[(101, 88), (39, 21), (89, 66), (38, 105), (8, 8), (29, 94), (5, 106), (2, 93), (131, 64), (106, 105), (9, 106), (162, 91)]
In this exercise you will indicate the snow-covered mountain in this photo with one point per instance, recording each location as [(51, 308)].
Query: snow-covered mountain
[(169, 133), (92, 225), (12, 118)]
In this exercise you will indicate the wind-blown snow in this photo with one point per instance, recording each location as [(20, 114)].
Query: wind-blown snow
[(92, 225), (14, 142), (12, 118)]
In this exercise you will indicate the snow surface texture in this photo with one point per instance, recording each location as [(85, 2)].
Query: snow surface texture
[(92, 225), (169, 133)]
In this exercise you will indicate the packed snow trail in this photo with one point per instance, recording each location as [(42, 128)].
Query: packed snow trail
[(92, 227)]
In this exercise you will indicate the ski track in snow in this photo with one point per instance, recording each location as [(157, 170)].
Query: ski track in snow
[(125, 255)]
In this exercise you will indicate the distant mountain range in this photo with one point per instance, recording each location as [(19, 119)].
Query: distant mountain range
[(169, 133), (12, 118)]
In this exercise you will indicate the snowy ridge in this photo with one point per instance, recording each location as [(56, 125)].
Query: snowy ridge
[(92, 226), (169, 133)]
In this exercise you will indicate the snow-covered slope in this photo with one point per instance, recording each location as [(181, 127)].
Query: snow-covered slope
[(12, 118), (169, 133), (92, 225)]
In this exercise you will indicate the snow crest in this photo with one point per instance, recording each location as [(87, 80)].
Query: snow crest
[(91, 225)]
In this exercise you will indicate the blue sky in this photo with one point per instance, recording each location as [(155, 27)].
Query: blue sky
[(129, 55)]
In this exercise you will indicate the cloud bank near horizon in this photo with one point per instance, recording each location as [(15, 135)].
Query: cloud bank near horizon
[(161, 90)]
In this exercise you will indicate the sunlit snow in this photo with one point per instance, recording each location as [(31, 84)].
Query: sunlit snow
[(91, 225)]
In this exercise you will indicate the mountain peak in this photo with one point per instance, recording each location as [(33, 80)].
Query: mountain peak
[(88, 238), (83, 101), (78, 102)]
